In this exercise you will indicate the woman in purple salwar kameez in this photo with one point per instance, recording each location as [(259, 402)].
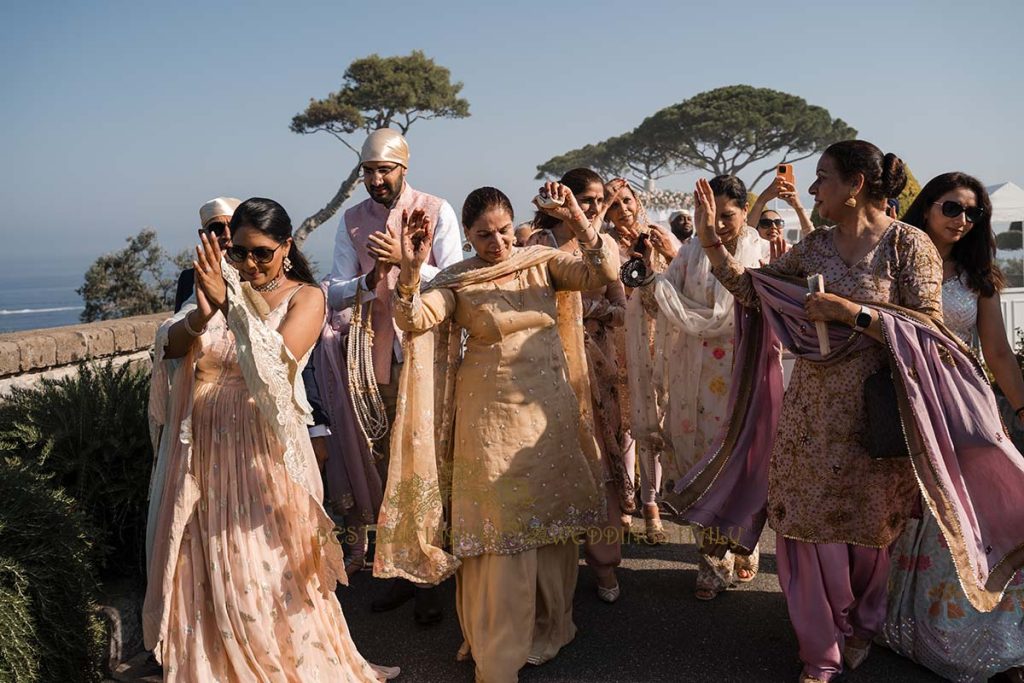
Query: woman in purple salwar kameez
[(835, 509)]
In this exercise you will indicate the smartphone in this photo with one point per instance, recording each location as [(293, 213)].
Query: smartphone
[(643, 244), (785, 171)]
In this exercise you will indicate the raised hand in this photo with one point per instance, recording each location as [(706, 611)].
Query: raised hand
[(614, 190), (663, 244), (778, 247), (209, 276), (705, 213), (627, 236), (787, 193), (565, 209), (417, 239), (386, 247)]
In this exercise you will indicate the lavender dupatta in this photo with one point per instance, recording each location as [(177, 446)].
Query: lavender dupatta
[(969, 473)]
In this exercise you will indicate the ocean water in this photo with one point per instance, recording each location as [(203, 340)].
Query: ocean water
[(45, 298)]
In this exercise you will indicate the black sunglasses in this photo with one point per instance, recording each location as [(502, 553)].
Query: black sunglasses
[(951, 209), (767, 223), (259, 254), (218, 228)]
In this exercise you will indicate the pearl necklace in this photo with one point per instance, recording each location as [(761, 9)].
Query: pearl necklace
[(270, 286)]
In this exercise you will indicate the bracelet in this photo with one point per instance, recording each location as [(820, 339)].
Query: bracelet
[(408, 291), (711, 246), (188, 327)]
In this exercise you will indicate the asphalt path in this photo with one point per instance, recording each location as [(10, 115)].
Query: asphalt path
[(657, 631)]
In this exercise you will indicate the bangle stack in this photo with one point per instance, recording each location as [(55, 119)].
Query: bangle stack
[(188, 326), (408, 291)]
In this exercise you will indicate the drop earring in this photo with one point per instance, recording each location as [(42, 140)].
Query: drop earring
[(286, 264), (467, 247), (851, 202)]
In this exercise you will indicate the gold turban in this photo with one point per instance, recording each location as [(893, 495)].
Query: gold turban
[(221, 206), (385, 144)]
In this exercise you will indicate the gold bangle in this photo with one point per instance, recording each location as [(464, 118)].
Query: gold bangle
[(408, 291)]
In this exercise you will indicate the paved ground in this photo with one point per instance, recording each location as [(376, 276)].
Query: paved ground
[(657, 631)]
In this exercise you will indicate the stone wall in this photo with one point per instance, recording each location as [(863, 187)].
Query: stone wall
[(26, 357)]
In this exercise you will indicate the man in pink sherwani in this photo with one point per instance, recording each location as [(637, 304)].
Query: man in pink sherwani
[(366, 250)]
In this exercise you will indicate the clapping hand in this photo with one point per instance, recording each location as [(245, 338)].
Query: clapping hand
[(211, 290), (386, 247), (705, 213), (417, 240)]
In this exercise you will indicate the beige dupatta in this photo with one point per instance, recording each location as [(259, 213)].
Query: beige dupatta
[(273, 377), (411, 534)]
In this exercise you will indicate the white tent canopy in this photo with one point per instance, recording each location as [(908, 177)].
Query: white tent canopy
[(1007, 205)]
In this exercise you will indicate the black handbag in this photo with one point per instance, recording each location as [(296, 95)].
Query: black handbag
[(883, 435)]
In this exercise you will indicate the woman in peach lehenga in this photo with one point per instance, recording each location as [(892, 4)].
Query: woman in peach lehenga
[(244, 562)]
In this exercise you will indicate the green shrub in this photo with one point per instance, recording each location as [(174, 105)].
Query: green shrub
[(48, 628), (88, 434)]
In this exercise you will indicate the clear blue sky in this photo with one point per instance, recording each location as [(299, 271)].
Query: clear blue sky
[(119, 115)]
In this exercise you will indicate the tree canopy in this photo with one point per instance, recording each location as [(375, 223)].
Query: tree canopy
[(128, 282), (378, 92), (722, 131)]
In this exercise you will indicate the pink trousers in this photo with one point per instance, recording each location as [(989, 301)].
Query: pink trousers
[(833, 591)]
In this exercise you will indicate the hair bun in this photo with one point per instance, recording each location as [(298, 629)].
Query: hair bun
[(894, 175)]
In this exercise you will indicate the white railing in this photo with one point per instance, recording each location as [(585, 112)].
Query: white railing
[(1012, 299)]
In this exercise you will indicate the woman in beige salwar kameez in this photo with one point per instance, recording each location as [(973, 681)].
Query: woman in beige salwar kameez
[(513, 433), (244, 561)]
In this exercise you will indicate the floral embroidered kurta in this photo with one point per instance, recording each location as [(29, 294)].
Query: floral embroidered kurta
[(520, 479), (823, 486), (695, 315)]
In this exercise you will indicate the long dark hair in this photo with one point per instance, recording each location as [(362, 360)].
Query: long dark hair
[(974, 254), (270, 218), (576, 180), (885, 176)]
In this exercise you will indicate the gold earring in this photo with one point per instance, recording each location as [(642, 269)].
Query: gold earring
[(851, 202)]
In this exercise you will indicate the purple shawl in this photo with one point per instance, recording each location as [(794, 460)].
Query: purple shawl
[(969, 473)]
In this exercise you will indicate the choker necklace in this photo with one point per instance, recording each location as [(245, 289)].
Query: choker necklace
[(270, 286)]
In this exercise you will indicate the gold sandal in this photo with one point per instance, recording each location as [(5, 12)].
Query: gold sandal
[(654, 532)]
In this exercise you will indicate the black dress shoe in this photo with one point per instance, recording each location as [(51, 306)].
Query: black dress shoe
[(400, 592), (428, 606)]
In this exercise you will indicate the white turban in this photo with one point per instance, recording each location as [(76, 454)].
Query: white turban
[(388, 145), (221, 206)]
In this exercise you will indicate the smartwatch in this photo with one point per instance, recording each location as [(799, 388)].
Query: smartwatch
[(863, 319)]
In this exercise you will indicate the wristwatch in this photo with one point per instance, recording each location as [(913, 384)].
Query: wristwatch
[(863, 319)]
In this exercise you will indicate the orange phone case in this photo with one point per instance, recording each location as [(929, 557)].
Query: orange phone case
[(785, 171)]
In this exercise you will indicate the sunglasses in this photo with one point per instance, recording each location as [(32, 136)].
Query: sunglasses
[(218, 228), (951, 209), (239, 254), (768, 223)]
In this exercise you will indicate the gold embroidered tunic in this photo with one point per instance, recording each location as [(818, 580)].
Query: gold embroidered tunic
[(520, 479), (823, 486)]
